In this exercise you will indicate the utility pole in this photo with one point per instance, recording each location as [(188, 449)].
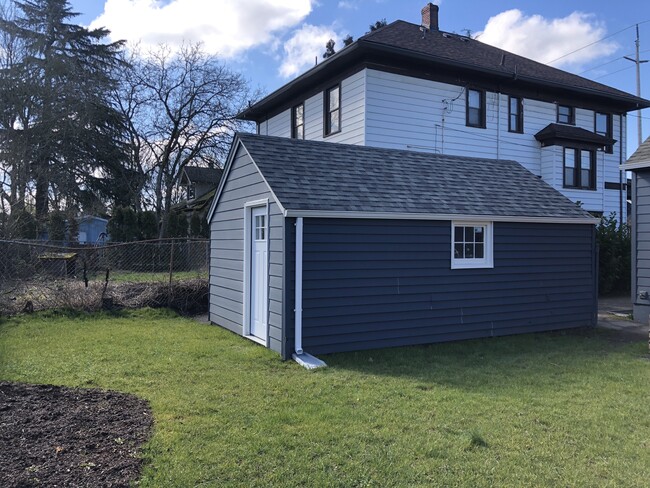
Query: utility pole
[(638, 62)]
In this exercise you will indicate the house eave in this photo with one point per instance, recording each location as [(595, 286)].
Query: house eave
[(360, 51)]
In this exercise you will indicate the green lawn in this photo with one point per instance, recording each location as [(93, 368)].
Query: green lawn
[(119, 276), (536, 410)]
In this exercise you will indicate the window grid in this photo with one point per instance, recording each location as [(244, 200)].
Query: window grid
[(475, 110), (579, 168), (566, 114), (333, 110), (298, 122), (603, 127), (515, 115), (260, 227)]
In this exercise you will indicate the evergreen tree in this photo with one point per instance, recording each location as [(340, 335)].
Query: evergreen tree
[(377, 25), (56, 226), (148, 225), (69, 133)]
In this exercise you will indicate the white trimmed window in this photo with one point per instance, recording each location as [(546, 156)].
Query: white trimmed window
[(471, 245)]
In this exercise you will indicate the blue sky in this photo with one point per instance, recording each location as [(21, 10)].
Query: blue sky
[(272, 41)]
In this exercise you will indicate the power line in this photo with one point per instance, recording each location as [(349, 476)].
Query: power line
[(612, 73), (599, 40)]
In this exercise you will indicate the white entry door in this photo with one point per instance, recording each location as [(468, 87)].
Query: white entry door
[(258, 300)]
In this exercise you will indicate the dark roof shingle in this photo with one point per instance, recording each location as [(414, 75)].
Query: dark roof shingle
[(641, 155), (324, 176)]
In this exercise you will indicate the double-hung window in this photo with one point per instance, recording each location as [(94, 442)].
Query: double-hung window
[(515, 115), (603, 127), (475, 114), (579, 168), (566, 114), (333, 110), (298, 121), (471, 245)]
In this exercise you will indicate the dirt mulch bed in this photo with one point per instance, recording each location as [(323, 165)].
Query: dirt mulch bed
[(56, 436)]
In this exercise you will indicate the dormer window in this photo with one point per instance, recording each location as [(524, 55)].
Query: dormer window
[(603, 127), (475, 108), (298, 121), (333, 110), (566, 114)]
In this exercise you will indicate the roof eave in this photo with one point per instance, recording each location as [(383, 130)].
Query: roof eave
[(363, 46), (336, 214)]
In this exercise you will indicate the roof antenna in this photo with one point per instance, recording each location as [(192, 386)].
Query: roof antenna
[(315, 60)]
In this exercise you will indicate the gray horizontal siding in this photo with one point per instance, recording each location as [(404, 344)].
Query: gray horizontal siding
[(373, 283), (641, 244), (243, 184)]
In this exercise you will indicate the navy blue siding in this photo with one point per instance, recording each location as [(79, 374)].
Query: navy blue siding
[(379, 283)]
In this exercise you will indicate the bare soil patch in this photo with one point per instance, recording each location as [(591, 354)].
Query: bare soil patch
[(56, 436)]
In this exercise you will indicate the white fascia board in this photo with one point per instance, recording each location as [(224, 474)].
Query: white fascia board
[(231, 157), (633, 166), (425, 216)]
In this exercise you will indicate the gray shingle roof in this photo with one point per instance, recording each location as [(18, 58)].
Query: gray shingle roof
[(324, 176), (473, 53), (642, 154), (203, 175), (561, 132)]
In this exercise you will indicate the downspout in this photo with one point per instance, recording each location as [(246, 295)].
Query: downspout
[(301, 357), (620, 171), (298, 288)]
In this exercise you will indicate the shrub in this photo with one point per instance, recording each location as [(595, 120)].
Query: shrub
[(614, 256)]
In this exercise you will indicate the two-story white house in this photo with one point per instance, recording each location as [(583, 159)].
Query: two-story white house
[(408, 86), (416, 187)]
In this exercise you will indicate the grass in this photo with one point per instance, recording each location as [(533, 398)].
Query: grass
[(535, 410), (118, 276)]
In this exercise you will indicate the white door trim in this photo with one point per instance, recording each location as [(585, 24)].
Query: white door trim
[(246, 315)]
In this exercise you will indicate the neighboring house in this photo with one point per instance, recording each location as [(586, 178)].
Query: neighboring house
[(408, 86), (198, 181), (639, 164), (320, 247), (92, 229)]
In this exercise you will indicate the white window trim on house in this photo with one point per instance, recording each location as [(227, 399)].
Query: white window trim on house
[(488, 254)]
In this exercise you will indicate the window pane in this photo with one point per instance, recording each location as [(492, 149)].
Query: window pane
[(479, 251), (334, 98), (478, 234), (474, 99), (334, 121), (469, 251), (469, 234), (474, 116), (601, 124), (300, 132), (569, 177), (585, 178), (299, 114), (458, 251), (585, 160), (564, 114), (514, 106), (569, 158), (458, 234)]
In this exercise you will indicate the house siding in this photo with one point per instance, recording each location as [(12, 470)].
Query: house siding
[(379, 283), (243, 184), (352, 115), (641, 244), (403, 112)]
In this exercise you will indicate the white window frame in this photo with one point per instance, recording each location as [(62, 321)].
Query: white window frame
[(488, 253)]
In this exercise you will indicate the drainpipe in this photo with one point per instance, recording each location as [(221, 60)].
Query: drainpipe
[(298, 287), (620, 172)]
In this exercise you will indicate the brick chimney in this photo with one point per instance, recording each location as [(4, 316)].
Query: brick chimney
[(430, 16)]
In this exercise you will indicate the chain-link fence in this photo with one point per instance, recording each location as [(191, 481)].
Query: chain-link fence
[(36, 275)]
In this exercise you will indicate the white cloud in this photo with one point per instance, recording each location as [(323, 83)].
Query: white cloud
[(226, 27), (545, 40), (348, 4), (307, 43)]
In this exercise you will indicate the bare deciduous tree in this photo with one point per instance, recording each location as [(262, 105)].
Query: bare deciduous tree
[(182, 108)]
